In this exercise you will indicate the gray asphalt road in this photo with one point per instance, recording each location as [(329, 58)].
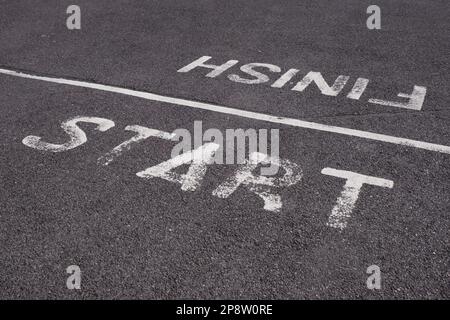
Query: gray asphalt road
[(139, 238)]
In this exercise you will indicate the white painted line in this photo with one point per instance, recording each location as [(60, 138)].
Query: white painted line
[(347, 200), (239, 112)]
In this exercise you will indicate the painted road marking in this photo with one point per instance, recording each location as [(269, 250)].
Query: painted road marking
[(77, 136), (347, 200), (142, 134), (414, 102), (262, 186), (199, 159), (238, 112)]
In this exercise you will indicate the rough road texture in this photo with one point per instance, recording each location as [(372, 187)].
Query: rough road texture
[(137, 238)]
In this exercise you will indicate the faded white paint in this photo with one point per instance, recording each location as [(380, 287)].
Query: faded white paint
[(240, 112), (216, 70), (142, 134), (235, 143), (358, 89), (199, 159), (273, 168), (285, 78), (347, 200), (415, 99), (323, 86), (264, 187), (240, 137), (258, 76), (76, 135)]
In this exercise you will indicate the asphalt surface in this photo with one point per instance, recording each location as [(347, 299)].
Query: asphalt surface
[(137, 238)]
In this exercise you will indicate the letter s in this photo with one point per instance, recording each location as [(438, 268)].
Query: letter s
[(77, 136), (259, 77)]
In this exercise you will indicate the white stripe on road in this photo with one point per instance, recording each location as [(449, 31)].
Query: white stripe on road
[(239, 112)]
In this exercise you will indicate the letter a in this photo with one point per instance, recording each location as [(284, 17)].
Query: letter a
[(74, 20), (374, 20)]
